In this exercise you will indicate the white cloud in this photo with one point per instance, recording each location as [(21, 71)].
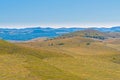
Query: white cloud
[(67, 25)]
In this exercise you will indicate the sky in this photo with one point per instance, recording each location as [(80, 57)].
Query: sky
[(59, 13)]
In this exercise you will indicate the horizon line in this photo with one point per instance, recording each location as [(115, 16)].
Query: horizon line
[(51, 27), (92, 25)]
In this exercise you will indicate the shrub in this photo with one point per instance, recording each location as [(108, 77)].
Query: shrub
[(88, 43), (61, 44)]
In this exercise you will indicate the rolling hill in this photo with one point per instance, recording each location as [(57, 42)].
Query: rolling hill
[(91, 59), (73, 56), (23, 63), (90, 33)]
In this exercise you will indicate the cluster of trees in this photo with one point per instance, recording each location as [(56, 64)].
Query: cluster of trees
[(51, 44), (95, 36)]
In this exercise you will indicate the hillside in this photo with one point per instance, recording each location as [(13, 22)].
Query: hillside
[(23, 63), (114, 43), (90, 59), (90, 33), (73, 56)]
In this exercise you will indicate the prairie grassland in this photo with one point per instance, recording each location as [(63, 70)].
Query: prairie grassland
[(93, 61), (59, 59), (23, 63)]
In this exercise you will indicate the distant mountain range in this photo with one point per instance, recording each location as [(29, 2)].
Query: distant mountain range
[(31, 33)]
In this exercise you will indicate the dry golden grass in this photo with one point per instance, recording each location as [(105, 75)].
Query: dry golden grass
[(23, 63), (73, 58), (93, 61)]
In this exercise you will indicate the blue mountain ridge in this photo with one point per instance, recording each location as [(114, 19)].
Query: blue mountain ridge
[(37, 32)]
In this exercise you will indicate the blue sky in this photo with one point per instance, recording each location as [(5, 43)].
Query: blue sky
[(59, 13)]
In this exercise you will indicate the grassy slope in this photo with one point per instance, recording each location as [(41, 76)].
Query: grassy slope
[(95, 61), (114, 43), (23, 63), (88, 33)]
